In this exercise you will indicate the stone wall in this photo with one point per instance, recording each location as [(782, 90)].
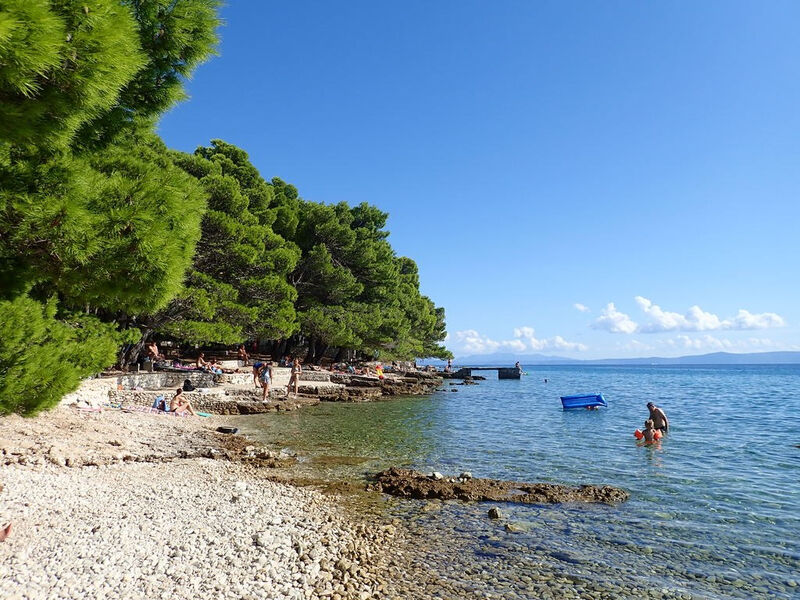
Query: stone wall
[(166, 379), (219, 401), (93, 392)]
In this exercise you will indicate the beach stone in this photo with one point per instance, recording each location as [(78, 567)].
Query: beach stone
[(495, 513)]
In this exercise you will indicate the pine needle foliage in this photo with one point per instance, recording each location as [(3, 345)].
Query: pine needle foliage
[(43, 357)]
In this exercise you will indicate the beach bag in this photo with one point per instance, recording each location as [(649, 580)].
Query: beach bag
[(188, 386)]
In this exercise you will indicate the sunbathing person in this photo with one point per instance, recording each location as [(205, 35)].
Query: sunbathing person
[(180, 404)]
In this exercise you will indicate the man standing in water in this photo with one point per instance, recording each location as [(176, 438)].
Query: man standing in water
[(660, 420)]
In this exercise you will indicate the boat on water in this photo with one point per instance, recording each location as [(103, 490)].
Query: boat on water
[(583, 401)]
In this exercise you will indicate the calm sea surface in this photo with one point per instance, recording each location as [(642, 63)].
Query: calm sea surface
[(714, 509)]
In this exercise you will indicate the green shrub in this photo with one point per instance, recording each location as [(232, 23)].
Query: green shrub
[(42, 358)]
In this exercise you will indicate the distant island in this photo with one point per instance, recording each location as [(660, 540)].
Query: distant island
[(714, 358)]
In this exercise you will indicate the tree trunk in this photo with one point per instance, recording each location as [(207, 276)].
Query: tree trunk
[(322, 349), (311, 351), (130, 355)]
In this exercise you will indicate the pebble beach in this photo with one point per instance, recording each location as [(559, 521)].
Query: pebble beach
[(100, 513)]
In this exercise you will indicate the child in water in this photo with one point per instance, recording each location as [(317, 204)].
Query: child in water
[(651, 434)]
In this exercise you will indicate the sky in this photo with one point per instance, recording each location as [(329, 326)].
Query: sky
[(579, 179)]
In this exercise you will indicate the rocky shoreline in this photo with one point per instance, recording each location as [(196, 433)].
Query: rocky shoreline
[(130, 505)]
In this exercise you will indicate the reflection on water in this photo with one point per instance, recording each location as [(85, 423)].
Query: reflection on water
[(713, 509)]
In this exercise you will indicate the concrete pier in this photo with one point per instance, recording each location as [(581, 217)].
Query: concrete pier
[(502, 372)]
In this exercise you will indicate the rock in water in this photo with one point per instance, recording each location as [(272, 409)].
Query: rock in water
[(407, 483), (494, 513)]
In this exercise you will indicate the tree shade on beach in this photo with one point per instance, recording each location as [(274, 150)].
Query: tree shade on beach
[(108, 237)]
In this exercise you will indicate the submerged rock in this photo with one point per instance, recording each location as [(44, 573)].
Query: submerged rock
[(407, 483)]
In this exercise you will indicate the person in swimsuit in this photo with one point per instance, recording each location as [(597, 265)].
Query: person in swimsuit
[(180, 404), (243, 356), (649, 432), (256, 370), (659, 418), (294, 378), (265, 377)]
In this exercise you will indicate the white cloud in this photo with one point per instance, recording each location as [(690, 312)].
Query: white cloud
[(525, 340), (708, 343), (559, 343), (614, 321), (747, 320), (472, 341), (636, 346), (581, 307), (695, 319), (705, 342)]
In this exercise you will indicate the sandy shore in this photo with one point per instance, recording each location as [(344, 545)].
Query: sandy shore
[(128, 505)]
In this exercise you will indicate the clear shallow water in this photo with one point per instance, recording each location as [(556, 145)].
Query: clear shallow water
[(714, 509)]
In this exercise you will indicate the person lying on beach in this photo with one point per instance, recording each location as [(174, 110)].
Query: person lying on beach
[(180, 404), (265, 377), (659, 418)]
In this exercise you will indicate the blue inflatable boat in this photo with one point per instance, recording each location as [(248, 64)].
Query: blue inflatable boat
[(583, 401)]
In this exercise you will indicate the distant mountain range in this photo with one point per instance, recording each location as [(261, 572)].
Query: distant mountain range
[(715, 358)]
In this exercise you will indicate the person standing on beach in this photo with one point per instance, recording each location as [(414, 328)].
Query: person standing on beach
[(659, 418), (256, 370), (294, 377), (265, 377)]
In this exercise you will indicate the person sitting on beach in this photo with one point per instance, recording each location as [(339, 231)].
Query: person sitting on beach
[(256, 370), (659, 418), (201, 364), (294, 377), (180, 404), (265, 377), (152, 352), (243, 356)]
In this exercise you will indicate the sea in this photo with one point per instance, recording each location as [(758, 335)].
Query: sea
[(714, 508)]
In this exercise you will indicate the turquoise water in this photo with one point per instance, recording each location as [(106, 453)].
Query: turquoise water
[(714, 509)]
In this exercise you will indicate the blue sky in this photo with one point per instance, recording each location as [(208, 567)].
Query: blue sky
[(637, 159)]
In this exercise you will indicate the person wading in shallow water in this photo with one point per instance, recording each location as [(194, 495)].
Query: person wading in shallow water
[(659, 417)]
